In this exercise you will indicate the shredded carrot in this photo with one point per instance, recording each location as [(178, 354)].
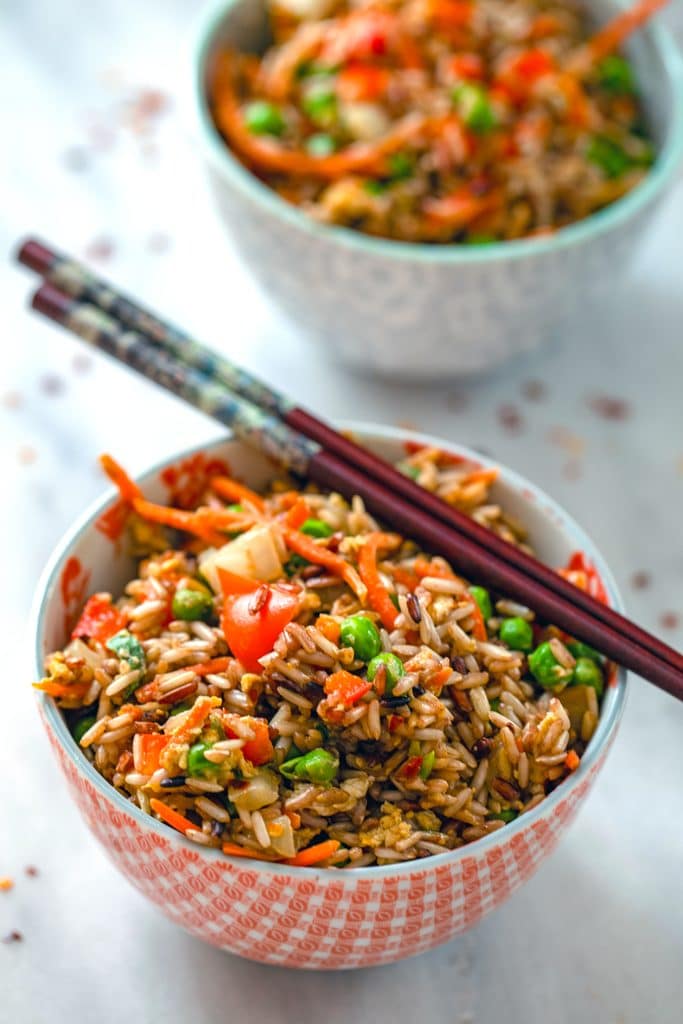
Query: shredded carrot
[(479, 630), (572, 760), (233, 491), (298, 514), (612, 35), (151, 746), (378, 595), (406, 577), (425, 567), (126, 487), (268, 155), (329, 627), (201, 710), (170, 816), (440, 678), (459, 209), (486, 475), (314, 854), (308, 548), (214, 665), (178, 519), (54, 689), (233, 850), (294, 818)]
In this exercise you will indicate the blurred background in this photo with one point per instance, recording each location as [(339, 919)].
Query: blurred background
[(98, 158)]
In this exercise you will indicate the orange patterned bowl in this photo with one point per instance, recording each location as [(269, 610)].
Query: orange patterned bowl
[(305, 917)]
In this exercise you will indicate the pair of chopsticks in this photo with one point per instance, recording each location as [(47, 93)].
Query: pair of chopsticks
[(95, 311)]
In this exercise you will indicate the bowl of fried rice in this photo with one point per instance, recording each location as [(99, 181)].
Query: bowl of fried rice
[(306, 740), (430, 188)]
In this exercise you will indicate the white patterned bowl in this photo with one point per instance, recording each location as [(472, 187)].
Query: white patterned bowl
[(427, 311), (306, 917)]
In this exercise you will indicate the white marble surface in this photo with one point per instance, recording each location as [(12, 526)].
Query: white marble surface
[(597, 935)]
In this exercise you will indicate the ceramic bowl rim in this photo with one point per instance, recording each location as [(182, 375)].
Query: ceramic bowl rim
[(612, 216), (612, 708)]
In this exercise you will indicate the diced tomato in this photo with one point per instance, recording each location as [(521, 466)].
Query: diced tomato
[(260, 749), (99, 619), (252, 625), (411, 767), (520, 72), (151, 747), (345, 688), (359, 82), (579, 563), (329, 627), (232, 584), (394, 722), (468, 66)]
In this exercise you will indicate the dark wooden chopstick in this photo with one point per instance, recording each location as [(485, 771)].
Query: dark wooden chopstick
[(262, 429), (79, 282)]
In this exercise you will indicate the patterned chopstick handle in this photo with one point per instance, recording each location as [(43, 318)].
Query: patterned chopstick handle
[(76, 280), (247, 421)]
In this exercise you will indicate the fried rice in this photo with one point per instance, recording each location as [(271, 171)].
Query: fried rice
[(284, 680), (439, 121)]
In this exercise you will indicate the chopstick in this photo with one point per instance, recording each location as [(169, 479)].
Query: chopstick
[(260, 428), (79, 282)]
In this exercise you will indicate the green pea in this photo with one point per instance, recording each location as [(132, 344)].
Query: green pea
[(546, 669), (474, 107), (517, 634), (197, 764), (581, 650), (427, 764), (80, 727), (393, 668), (190, 604), (320, 144), (588, 673), (483, 599), (401, 166), (316, 528), (616, 75), (317, 766), (321, 106), (263, 118), (362, 634), (507, 815)]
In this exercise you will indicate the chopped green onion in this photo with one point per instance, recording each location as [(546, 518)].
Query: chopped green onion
[(474, 107), (427, 765), (320, 105), (616, 75), (317, 766), (401, 166), (483, 600), (507, 815)]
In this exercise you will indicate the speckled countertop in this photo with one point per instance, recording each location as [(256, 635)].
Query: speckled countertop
[(101, 162)]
